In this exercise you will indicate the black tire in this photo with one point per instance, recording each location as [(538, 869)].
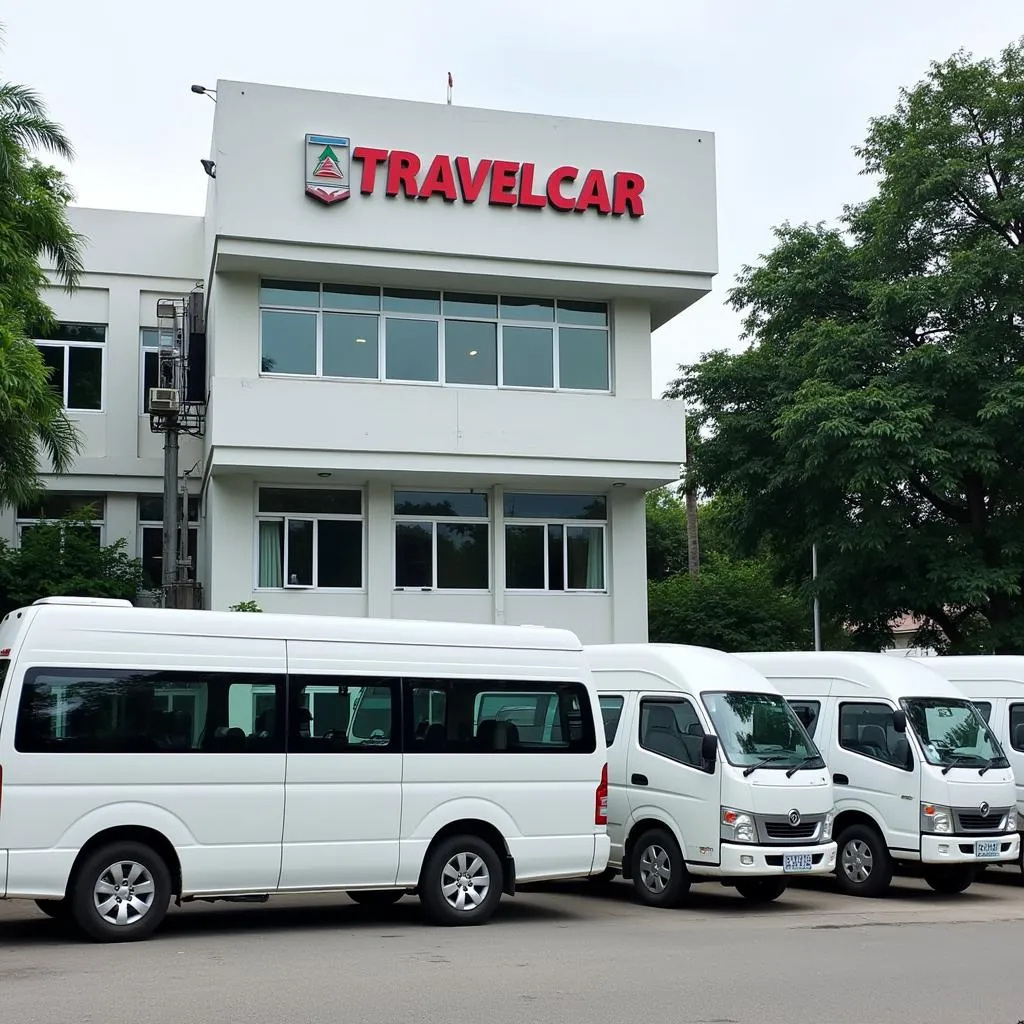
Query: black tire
[(950, 880), (470, 865), (660, 878), (108, 871), (761, 890), (863, 864), (603, 878), (376, 897), (59, 910)]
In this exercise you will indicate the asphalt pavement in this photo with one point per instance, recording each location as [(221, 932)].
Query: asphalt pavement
[(558, 954)]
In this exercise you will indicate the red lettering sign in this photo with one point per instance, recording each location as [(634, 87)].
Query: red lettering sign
[(505, 183)]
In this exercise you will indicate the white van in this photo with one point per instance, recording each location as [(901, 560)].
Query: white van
[(151, 754), (679, 813), (995, 685), (939, 793)]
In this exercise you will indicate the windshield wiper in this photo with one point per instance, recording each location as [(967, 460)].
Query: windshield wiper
[(807, 762), (770, 759), (957, 758)]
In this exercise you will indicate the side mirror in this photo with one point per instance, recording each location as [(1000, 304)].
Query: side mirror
[(899, 721), (709, 748)]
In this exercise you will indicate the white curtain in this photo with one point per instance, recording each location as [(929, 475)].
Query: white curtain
[(271, 554)]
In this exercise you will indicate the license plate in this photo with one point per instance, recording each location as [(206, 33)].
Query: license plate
[(987, 849), (801, 861)]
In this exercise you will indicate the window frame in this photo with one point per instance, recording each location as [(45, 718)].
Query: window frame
[(670, 700), (144, 351), (314, 517), (816, 704), (601, 698), (485, 520), (1011, 705), (191, 527), (99, 523), (297, 682), (859, 753), (66, 346), (987, 715), (499, 320)]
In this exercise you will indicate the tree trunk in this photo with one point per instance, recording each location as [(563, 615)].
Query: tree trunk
[(692, 542)]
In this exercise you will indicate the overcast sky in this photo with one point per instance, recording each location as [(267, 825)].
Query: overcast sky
[(787, 86)]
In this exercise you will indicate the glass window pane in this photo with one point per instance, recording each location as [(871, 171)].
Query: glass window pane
[(339, 553), (585, 552), (53, 356), (463, 304), (411, 350), (300, 552), (524, 557), (289, 293), (440, 503), (288, 342), (592, 314), (541, 310), (151, 337), (583, 359), (151, 508), (556, 506), (150, 375), (462, 556), (556, 566), (75, 332), (56, 505), (351, 296), (414, 554), (470, 352), (311, 501), (527, 357), (85, 378), (350, 346), (407, 300), (152, 556), (271, 554)]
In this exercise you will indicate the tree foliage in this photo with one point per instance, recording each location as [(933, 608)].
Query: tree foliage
[(878, 408)]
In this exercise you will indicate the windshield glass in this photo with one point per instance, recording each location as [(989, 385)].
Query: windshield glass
[(953, 733), (3, 672), (756, 727)]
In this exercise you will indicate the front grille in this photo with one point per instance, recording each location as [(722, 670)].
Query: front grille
[(784, 830), (975, 821)]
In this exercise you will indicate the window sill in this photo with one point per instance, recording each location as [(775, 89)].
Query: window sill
[(557, 593), (295, 589), (442, 590), (537, 389)]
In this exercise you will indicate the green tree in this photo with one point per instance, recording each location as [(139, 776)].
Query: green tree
[(878, 409), (33, 227)]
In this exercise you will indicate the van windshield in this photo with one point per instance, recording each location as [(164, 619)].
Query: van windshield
[(761, 729), (953, 733)]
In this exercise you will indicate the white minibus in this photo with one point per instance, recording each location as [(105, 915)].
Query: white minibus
[(711, 775), (149, 754), (919, 776)]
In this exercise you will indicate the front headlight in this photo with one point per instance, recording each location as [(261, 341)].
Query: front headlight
[(737, 826), (826, 827), (936, 818), (1011, 820)]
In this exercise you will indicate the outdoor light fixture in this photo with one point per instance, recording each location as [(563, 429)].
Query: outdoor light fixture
[(201, 90), (210, 167)]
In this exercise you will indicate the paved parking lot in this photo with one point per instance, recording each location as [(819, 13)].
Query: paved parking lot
[(560, 954)]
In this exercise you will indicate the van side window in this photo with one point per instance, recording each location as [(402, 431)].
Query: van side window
[(611, 712), (463, 716), (984, 709), (867, 729), (1017, 726), (671, 728), (342, 714), (117, 711), (807, 711)]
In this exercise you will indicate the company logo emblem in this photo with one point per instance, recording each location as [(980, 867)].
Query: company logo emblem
[(984, 808), (794, 817), (328, 168)]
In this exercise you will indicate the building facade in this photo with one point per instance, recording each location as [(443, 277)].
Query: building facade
[(428, 359)]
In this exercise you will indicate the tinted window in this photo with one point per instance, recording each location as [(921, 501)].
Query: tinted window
[(4, 663), (1017, 726), (672, 729), (498, 716), (611, 712), (807, 711), (116, 711), (343, 714), (867, 729), (984, 709)]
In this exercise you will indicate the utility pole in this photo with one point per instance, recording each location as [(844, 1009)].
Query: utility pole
[(817, 603), (690, 500)]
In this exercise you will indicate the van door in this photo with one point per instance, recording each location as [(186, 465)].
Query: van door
[(617, 711), (874, 770), (665, 776)]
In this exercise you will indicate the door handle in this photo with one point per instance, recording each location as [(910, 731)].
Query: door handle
[(638, 780), (841, 780)]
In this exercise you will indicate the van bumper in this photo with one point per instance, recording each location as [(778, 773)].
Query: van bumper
[(743, 861), (3, 873), (941, 849), (602, 851)]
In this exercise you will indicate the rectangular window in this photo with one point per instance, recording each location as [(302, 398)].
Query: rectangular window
[(118, 711), (53, 506), (984, 709), (309, 538), (555, 542), (490, 716), (807, 711), (867, 729), (611, 712), (672, 729), (442, 540), (1016, 712), (342, 714), (152, 341), (151, 537), (356, 332), (74, 354)]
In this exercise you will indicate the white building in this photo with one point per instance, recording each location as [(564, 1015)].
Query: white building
[(428, 358)]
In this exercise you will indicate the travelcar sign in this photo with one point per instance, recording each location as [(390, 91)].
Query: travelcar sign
[(402, 174)]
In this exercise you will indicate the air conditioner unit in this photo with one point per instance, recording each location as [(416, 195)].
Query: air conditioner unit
[(164, 400)]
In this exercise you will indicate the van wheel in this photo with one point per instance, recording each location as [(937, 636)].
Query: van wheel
[(376, 897), (121, 893), (59, 910), (761, 890), (461, 881), (863, 866), (602, 879), (950, 880), (660, 877)]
